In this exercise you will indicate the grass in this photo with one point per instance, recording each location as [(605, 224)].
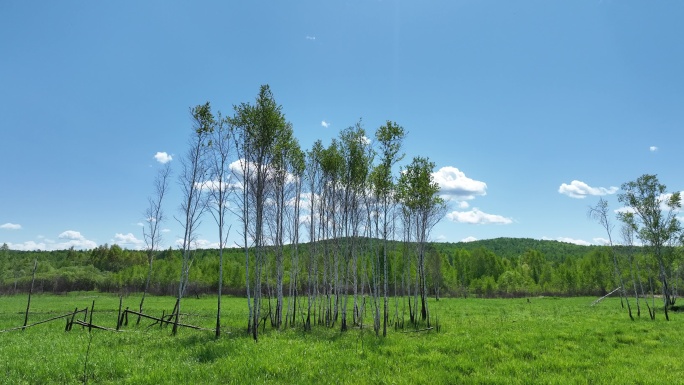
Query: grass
[(494, 341)]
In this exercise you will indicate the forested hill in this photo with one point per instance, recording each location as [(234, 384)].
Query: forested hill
[(511, 248)]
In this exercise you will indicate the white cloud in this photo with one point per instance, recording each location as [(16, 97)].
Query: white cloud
[(575, 241), (469, 239), (237, 176), (166, 230), (455, 184), (70, 234), (567, 240), (163, 157), (10, 226), (625, 209), (653, 148), (578, 189), (310, 37), (475, 216), (73, 239), (199, 244), (213, 185), (601, 241), (236, 168), (67, 240), (27, 246), (128, 240), (325, 124), (463, 205)]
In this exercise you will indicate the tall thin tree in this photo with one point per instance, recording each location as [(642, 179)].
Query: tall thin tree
[(390, 138), (313, 176), (154, 215), (219, 189), (191, 180), (356, 164)]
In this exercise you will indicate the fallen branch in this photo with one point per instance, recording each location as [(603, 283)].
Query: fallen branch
[(418, 330), (164, 321), (601, 299), (42, 322), (91, 326)]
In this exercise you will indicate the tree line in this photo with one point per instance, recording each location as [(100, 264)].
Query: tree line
[(454, 269)]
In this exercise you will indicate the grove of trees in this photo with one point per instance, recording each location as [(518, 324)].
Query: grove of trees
[(340, 231)]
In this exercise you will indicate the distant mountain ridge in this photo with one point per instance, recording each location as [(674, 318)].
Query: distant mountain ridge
[(511, 248)]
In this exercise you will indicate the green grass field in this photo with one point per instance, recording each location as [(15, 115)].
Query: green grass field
[(482, 341)]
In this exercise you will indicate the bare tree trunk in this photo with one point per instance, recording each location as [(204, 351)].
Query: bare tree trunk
[(385, 262)]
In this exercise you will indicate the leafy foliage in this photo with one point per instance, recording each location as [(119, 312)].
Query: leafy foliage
[(459, 269)]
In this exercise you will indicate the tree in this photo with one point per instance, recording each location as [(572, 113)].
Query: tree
[(423, 208), (284, 150), (242, 200), (191, 181), (355, 151), (434, 268), (627, 233), (535, 262), (651, 213), (390, 138), (600, 214), (332, 168), (297, 165), (4, 252), (259, 126), (219, 190), (313, 176), (154, 215)]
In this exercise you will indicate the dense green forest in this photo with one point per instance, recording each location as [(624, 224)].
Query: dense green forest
[(487, 268)]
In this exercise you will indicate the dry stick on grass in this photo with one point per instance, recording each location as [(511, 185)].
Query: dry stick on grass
[(71, 323), (165, 321), (605, 296), (28, 304), (85, 315), (91, 326), (92, 310), (42, 322), (118, 317)]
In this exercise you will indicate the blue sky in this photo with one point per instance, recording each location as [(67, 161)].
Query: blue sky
[(531, 110)]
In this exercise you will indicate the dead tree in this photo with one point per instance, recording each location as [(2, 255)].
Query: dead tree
[(154, 215)]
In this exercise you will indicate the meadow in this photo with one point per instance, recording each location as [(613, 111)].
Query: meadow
[(540, 340)]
